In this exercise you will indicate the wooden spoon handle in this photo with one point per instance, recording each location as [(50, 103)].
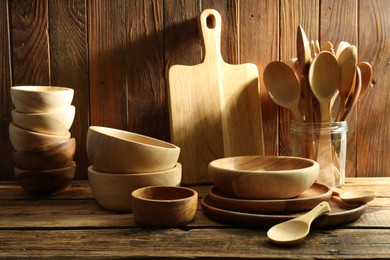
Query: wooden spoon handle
[(317, 211)]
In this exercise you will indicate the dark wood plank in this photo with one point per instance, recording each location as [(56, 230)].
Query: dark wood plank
[(68, 34), (6, 161), (30, 42), (373, 142), (176, 243), (339, 23), (258, 42), (108, 66), (147, 104)]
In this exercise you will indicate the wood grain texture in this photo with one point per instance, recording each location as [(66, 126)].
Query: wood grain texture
[(109, 63), (68, 34), (373, 136), (30, 42), (73, 225), (258, 41), (6, 162), (146, 97)]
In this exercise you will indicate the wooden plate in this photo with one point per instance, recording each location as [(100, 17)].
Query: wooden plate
[(341, 213), (306, 201)]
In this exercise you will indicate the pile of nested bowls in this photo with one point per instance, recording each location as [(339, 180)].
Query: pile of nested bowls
[(122, 162), (39, 133)]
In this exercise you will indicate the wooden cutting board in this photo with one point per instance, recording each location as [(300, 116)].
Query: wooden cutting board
[(214, 107)]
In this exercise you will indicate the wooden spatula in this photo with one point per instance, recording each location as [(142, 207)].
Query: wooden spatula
[(214, 107)]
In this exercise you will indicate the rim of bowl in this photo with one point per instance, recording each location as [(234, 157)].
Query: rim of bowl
[(149, 141), (192, 193), (49, 146), (135, 174), (67, 133), (212, 164), (72, 165), (71, 109), (32, 88)]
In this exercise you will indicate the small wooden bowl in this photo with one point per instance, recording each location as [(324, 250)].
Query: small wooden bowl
[(57, 122), (263, 177), (117, 151), (50, 156), (112, 191), (32, 99), (45, 183), (22, 139), (161, 206)]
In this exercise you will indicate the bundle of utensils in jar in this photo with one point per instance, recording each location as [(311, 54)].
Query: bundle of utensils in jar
[(320, 86)]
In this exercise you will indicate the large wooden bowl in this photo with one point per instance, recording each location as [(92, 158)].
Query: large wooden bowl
[(22, 139), (113, 191), (118, 151), (31, 99), (51, 156), (57, 122), (45, 183), (263, 177), (162, 206)]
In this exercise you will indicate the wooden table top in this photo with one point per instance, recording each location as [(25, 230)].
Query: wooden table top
[(73, 225)]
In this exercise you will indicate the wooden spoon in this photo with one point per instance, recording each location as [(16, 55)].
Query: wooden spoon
[(341, 47), (328, 46), (295, 230), (347, 61), (353, 97), (355, 196), (283, 86), (366, 73), (324, 80)]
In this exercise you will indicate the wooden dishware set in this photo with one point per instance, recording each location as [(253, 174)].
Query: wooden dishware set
[(39, 133), (216, 135)]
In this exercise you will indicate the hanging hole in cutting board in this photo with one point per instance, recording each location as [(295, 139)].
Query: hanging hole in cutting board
[(211, 22)]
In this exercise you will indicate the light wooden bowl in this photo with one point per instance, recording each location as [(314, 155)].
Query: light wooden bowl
[(113, 191), (31, 99), (118, 151), (50, 156), (45, 183), (162, 206), (263, 177), (22, 139), (57, 122)]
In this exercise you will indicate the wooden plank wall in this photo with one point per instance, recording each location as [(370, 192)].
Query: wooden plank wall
[(115, 55)]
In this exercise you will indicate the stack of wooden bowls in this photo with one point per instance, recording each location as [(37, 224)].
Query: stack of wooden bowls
[(39, 133), (122, 162)]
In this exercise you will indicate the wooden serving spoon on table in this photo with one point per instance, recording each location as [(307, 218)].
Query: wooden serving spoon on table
[(295, 230), (347, 61), (283, 86), (355, 196), (324, 79)]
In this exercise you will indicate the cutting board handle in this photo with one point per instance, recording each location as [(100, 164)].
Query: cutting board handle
[(210, 24)]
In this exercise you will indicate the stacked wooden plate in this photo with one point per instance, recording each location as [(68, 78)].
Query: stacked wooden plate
[(266, 213)]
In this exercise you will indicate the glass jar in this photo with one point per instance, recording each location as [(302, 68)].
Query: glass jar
[(325, 143)]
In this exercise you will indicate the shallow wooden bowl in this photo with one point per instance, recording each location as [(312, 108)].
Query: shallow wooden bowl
[(57, 122), (45, 183), (263, 177), (22, 139), (161, 206), (118, 151), (50, 156), (32, 99), (113, 191)]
